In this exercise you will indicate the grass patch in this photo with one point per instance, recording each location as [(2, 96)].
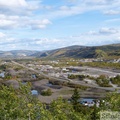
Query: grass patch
[(66, 92)]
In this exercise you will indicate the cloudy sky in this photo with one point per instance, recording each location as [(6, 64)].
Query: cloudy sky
[(50, 24)]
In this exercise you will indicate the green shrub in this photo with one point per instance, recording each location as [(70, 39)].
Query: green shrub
[(48, 92)]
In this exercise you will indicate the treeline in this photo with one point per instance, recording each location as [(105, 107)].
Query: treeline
[(67, 83), (102, 80), (80, 77), (101, 64), (92, 64)]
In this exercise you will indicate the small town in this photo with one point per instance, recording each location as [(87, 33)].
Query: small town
[(59, 59), (59, 79)]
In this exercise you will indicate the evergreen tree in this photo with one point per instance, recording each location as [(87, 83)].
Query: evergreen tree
[(75, 100)]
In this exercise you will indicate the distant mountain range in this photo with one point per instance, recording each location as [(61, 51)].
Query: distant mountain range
[(75, 51), (16, 53)]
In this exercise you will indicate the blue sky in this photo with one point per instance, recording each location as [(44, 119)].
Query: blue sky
[(50, 24)]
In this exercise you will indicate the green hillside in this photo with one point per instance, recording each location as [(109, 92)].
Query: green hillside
[(106, 51)]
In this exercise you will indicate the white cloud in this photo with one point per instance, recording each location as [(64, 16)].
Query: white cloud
[(13, 3), (108, 31), (39, 24), (82, 6), (100, 37), (18, 7), (2, 35), (43, 41), (6, 39), (101, 2), (64, 8), (12, 7), (72, 1), (31, 44), (90, 38), (112, 12), (6, 24), (26, 8), (92, 32), (33, 14), (10, 22)]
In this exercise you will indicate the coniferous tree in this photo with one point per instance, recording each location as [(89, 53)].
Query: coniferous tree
[(75, 99)]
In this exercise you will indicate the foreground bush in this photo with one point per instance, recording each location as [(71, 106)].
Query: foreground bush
[(19, 104)]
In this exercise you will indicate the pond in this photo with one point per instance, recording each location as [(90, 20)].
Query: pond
[(53, 86), (2, 74), (34, 76), (49, 84), (24, 83), (34, 92), (88, 101)]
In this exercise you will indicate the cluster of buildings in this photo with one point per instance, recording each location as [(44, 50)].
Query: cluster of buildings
[(100, 60)]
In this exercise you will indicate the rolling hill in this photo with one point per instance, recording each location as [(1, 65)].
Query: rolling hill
[(16, 53), (82, 52), (76, 51)]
